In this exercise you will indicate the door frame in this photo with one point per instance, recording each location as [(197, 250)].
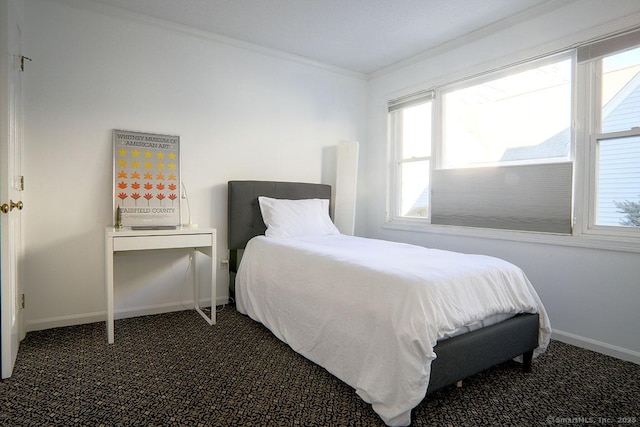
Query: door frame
[(12, 328)]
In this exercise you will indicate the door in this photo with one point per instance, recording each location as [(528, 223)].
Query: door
[(11, 186)]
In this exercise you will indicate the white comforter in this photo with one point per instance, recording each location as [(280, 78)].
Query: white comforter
[(371, 311)]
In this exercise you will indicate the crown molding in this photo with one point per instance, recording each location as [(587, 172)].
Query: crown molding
[(116, 12)]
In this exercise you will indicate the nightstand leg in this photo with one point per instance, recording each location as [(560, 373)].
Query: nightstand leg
[(196, 295), (109, 288)]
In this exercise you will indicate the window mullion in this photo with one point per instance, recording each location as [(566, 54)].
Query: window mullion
[(436, 131), (618, 134), (397, 170), (593, 126), (584, 179)]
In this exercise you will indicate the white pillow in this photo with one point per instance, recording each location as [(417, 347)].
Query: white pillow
[(296, 218)]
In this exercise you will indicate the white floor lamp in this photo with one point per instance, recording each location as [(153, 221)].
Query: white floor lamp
[(346, 186)]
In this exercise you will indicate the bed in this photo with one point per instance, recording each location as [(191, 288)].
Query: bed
[(366, 321)]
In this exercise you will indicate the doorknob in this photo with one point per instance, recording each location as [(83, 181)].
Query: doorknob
[(6, 208)]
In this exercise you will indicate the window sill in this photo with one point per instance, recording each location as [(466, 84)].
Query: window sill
[(610, 243)]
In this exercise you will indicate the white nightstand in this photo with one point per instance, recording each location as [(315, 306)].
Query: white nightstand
[(126, 239)]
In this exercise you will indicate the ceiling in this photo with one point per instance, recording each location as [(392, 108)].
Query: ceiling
[(362, 36)]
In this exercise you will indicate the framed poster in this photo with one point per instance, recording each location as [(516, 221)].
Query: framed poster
[(146, 179)]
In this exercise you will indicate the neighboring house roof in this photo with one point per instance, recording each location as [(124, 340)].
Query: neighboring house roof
[(556, 146), (421, 203), (621, 113)]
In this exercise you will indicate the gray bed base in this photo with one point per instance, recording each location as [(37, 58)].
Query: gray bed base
[(458, 357)]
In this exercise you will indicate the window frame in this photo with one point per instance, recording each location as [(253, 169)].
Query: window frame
[(394, 199), (585, 118), (395, 125), (592, 76), (503, 72), (590, 224)]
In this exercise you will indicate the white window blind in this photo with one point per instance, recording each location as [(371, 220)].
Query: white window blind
[(604, 47), (410, 100), (523, 197)]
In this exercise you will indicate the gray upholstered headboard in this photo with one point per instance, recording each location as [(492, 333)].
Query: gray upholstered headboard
[(245, 220)]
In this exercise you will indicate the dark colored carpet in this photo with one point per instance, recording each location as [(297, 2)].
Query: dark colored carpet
[(175, 370)]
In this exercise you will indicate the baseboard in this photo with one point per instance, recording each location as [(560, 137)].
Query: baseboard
[(149, 310), (62, 321), (597, 346), (100, 316)]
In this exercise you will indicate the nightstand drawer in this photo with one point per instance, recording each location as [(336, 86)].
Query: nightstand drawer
[(139, 243)]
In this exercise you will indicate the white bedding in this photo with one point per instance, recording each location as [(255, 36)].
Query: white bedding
[(371, 311)]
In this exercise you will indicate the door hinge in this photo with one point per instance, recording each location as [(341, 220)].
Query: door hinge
[(21, 300)]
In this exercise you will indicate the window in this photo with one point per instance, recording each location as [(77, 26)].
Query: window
[(410, 125), (613, 200), (498, 150), (518, 117), (506, 147), (521, 117)]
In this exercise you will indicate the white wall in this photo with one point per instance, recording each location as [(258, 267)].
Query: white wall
[(591, 295), (240, 113), (244, 114)]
